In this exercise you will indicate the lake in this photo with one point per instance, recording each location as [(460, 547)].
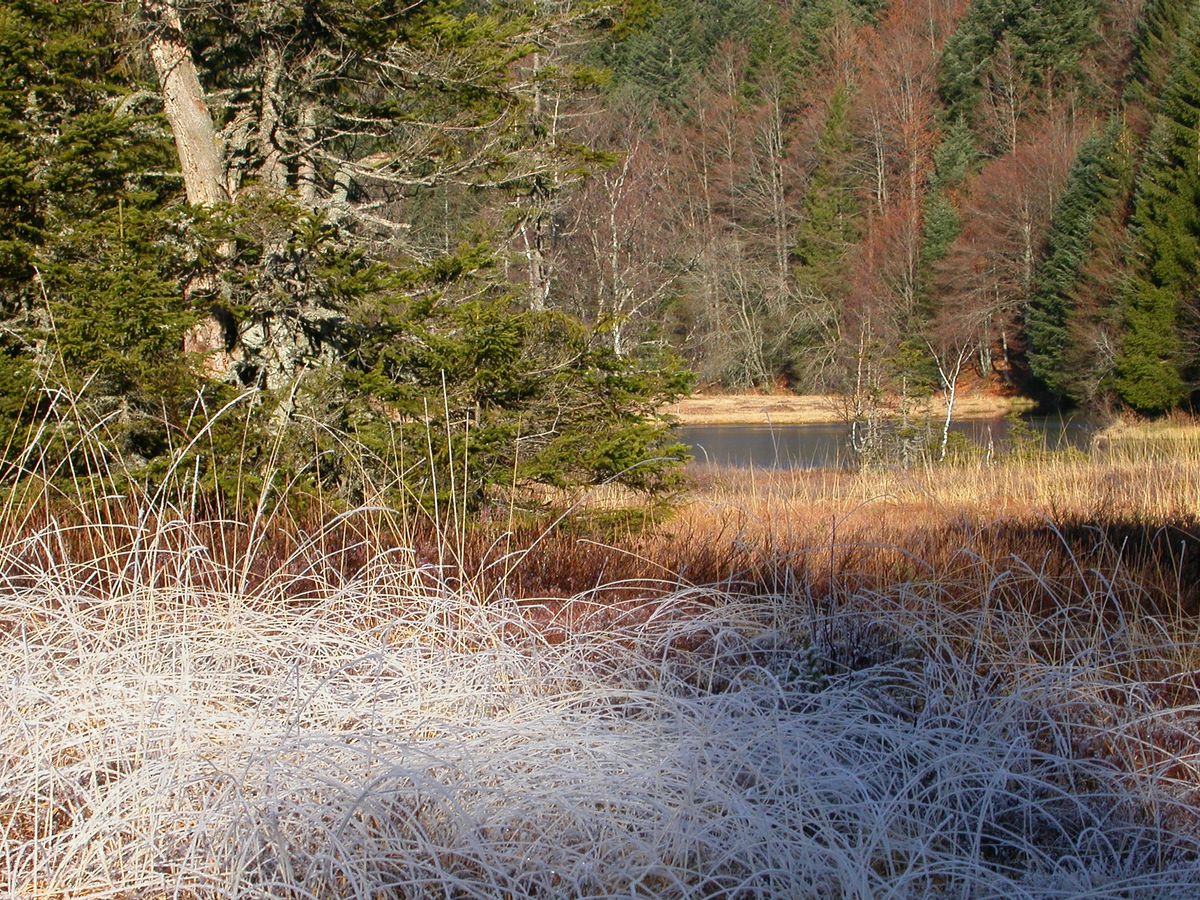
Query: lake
[(822, 446)]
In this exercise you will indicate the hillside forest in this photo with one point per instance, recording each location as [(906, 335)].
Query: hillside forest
[(520, 227)]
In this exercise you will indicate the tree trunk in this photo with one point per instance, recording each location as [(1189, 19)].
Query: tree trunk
[(201, 160), (306, 176), (534, 238), (948, 371), (951, 388), (200, 156)]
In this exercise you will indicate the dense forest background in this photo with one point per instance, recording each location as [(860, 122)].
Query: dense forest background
[(522, 222), (878, 197)]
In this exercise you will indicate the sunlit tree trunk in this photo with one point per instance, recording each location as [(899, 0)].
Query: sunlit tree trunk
[(200, 157), (949, 362)]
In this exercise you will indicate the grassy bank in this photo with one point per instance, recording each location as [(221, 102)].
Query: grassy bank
[(961, 681), (811, 409), (1170, 437)]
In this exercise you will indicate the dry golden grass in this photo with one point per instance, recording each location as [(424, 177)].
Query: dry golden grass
[(1174, 435), (1135, 486), (943, 681), (1136, 513), (967, 680), (811, 409)]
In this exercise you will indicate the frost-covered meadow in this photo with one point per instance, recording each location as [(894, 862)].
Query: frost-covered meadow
[(184, 714)]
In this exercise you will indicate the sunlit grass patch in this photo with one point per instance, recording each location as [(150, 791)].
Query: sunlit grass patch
[(169, 732), (970, 681)]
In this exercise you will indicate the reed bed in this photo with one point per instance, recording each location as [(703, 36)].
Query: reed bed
[(1132, 482), (964, 682), (390, 732)]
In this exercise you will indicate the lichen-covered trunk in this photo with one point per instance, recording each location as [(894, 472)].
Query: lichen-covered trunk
[(273, 172), (200, 156), (201, 161)]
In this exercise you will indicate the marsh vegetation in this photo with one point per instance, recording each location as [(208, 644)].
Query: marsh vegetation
[(957, 680)]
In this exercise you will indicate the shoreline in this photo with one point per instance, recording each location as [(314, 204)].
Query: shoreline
[(817, 409)]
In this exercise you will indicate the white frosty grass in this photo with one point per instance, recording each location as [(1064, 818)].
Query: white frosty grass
[(390, 736)]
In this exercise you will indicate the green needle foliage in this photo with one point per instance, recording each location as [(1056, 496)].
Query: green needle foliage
[(1045, 39), (1096, 180), (89, 273), (953, 160), (828, 224), (1153, 371), (492, 395), (1156, 39)]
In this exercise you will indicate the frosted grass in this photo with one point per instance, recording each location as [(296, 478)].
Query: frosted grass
[(164, 731)]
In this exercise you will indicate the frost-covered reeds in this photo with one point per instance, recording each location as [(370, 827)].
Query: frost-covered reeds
[(846, 688), (172, 726)]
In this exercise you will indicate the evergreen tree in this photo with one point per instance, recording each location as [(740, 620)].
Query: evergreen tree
[(661, 47), (53, 64), (828, 225), (1152, 370), (953, 161), (482, 396), (88, 277), (1094, 183), (1159, 27), (1045, 38), (813, 21)]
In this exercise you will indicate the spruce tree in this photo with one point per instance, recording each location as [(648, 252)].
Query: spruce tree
[(1093, 184), (1152, 370), (88, 279), (105, 270), (660, 47), (1155, 41), (953, 160), (828, 225), (1045, 37)]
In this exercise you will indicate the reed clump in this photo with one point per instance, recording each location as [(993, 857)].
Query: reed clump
[(961, 681)]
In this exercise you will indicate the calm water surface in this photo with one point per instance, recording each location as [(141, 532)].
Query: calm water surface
[(825, 446)]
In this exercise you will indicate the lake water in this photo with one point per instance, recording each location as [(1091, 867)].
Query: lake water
[(828, 445)]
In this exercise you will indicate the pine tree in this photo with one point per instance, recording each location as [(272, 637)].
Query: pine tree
[(660, 48), (489, 396), (953, 161), (87, 276), (1045, 39), (318, 126), (828, 225), (1158, 32), (54, 90), (105, 271), (813, 21)]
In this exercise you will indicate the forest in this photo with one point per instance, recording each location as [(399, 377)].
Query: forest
[(349, 547), (874, 198), (511, 211)]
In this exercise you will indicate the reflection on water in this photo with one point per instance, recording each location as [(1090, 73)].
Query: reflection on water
[(828, 445)]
